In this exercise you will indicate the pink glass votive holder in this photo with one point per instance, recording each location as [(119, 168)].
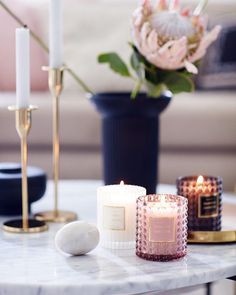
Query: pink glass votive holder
[(161, 227)]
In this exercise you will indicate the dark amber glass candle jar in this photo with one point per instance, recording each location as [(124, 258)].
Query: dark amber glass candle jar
[(204, 194)]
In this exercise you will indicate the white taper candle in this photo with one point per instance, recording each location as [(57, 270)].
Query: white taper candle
[(22, 68), (55, 34)]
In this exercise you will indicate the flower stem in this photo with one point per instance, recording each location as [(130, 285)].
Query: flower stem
[(78, 80), (136, 89), (44, 46)]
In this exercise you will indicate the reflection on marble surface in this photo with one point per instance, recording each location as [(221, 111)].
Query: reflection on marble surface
[(31, 265)]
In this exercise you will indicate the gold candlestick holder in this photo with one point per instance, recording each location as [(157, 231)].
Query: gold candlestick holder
[(24, 225), (55, 83)]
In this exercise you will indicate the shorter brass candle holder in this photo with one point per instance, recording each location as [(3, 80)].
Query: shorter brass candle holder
[(55, 83), (24, 225)]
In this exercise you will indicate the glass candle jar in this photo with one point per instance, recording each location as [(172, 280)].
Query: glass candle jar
[(161, 228), (204, 194), (116, 215)]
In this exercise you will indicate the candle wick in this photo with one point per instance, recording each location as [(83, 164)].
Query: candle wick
[(25, 26)]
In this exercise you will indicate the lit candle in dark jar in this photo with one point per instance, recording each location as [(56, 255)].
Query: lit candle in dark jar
[(204, 194)]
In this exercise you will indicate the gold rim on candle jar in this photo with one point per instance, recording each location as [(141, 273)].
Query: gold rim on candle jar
[(212, 237)]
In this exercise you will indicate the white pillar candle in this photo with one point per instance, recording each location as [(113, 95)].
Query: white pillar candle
[(22, 68), (116, 215), (55, 34)]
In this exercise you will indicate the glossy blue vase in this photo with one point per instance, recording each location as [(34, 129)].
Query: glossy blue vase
[(130, 134), (10, 187)]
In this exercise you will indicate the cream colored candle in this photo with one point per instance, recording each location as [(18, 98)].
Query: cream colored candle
[(22, 67), (55, 34), (116, 215)]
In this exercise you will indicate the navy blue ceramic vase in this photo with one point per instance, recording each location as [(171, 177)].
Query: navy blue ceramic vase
[(10, 187), (130, 132)]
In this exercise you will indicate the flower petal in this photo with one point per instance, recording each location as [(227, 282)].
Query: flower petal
[(170, 56), (166, 46), (144, 34), (162, 5), (137, 17), (206, 41), (174, 5), (147, 7), (176, 49), (145, 30), (191, 68), (152, 41)]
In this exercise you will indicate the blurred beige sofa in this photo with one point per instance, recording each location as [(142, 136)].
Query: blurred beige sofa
[(197, 136), (197, 130)]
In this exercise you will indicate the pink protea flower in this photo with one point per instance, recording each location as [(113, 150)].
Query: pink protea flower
[(169, 37)]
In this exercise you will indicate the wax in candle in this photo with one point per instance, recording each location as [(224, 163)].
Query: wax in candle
[(55, 34), (22, 68), (116, 206), (162, 217)]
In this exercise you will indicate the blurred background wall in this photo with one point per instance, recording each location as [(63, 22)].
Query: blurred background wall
[(197, 130)]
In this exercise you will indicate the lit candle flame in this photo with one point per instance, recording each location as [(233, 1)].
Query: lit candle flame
[(122, 182), (200, 180)]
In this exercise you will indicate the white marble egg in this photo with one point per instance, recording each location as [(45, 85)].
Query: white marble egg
[(77, 238)]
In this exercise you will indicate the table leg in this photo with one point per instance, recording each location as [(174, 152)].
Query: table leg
[(208, 288)]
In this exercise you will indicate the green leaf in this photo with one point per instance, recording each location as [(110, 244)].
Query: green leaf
[(140, 57), (115, 62), (179, 82), (136, 65), (134, 61), (152, 77), (155, 90)]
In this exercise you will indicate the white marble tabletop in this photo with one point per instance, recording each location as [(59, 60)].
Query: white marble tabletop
[(31, 265)]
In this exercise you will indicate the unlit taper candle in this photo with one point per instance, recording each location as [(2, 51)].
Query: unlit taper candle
[(22, 68), (55, 34)]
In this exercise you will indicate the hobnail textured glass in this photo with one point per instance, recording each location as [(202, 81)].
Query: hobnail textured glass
[(212, 187), (161, 227)]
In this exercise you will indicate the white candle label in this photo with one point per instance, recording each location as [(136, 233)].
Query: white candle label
[(162, 229), (208, 206), (114, 218)]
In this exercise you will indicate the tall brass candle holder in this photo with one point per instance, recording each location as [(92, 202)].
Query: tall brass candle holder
[(24, 225), (55, 83)]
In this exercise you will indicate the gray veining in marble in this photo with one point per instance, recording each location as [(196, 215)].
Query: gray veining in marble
[(30, 264)]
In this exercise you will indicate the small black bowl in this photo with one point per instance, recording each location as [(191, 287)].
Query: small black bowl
[(10, 187)]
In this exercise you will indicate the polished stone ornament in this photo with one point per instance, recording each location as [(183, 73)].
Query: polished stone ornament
[(77, 238)]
